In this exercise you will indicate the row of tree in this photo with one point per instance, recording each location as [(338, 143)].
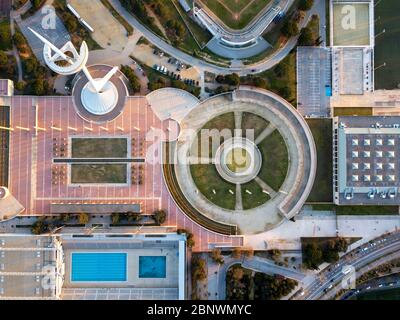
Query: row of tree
[(316, 252)]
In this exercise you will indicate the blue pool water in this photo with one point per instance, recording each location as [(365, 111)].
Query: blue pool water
[(101, 267), (152, 266)]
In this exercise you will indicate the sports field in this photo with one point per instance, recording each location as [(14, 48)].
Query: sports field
[(387, 45), (351, 24), (236, 14)]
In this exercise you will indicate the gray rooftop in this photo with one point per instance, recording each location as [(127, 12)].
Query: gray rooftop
[(25, 262), (368, 168)]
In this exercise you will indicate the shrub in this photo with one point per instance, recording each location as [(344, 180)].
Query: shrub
[(83, 218), (216, 256), (3, 58), (306, 5), (160, 216)]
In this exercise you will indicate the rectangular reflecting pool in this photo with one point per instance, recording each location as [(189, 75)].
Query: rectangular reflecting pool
[(152, 266), (98, 267)]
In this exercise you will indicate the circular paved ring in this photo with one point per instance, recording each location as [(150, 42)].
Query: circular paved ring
[(250, 171), (286, 202)]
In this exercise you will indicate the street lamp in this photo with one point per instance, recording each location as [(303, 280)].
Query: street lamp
[(383, 31), (381, 66)]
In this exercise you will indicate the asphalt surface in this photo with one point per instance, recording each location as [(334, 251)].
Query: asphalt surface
[(187, 59), (5, 7), (374, 285), (358, 258)]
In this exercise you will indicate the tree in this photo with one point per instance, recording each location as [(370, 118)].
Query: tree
[(19, 39), (36, 3), (341, 245), (189, 237), (83, 218), (217, 256), (232, 79), (3, 58), (285, 92), (249, 252), (220, 78), (115, 218), (65, 217), (160, 216), (157, 84), (20, 86), (312, 255), (330, 253), (306, 37), (40, 87), (133, 79), (290, 28), (199, 270), (30, 65), (260, 82), (70, 23), (39, 227), (306, 5), (5, 36), (236, 253)]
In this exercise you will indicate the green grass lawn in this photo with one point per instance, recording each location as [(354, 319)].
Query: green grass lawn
[(251, 121), (236, 14), (98, 173), (254, 200), (390, 294), (202, 36), (367, 210), (322, 133), (224, 124), (99, 148), (207, 179), (352, 112), (275, 160), (387, 45)]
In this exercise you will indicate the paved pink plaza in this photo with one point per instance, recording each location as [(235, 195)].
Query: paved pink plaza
[(40, 122)]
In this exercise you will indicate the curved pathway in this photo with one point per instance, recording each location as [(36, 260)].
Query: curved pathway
[(301, 171), (205, 66)]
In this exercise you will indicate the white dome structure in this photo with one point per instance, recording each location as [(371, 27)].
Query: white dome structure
[(99, 103)]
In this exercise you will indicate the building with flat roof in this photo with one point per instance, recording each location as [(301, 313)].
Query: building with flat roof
[(366, 163), (93, 267), (31, 267), (352, 41)]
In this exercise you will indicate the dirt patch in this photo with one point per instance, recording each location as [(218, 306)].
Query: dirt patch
[(108, 32)]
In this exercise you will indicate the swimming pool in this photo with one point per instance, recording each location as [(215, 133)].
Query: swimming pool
[(98, 267), (152, 266)]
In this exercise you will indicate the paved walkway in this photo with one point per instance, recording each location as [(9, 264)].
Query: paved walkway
[(269, 267), (322, 224)]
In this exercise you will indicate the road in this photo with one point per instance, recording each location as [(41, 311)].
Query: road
[(374, 285), (205, 66), (361, 256)]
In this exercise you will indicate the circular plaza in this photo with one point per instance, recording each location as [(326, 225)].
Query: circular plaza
[(246, 159)]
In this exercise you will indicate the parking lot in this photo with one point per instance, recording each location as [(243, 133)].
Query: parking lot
[(58, 34), (313, 81)]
